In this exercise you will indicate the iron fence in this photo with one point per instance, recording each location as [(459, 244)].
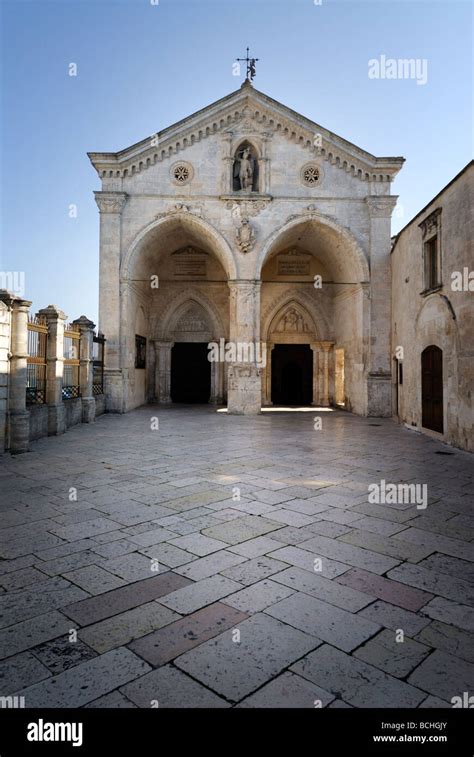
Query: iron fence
[(36, 361), (72, 354), (98, 364)]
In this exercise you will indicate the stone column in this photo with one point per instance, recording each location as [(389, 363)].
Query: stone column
[(55, 319), (379, 390), (18, 416), (267, 392), (244, 390), (324, 373), (110, 205), (315, 348), (86, 368), (163, 371)]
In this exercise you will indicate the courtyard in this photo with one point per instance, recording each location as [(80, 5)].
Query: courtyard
[(179, 556)]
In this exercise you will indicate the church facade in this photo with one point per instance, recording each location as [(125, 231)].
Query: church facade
[(245, 260)]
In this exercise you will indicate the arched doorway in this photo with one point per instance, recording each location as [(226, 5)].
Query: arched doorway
[(432, 388)]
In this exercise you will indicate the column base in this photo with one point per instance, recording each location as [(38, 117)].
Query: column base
[(19, 432), (56, 420), (114, 391), (379, 395), (244, 392), (88, 409)]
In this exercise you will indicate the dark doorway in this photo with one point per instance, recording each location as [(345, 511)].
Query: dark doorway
[(190, 372), (292, 374), (432, 388)]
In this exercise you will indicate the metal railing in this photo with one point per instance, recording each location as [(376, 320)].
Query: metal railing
[(72, 354), (36, 361), (98, 364)]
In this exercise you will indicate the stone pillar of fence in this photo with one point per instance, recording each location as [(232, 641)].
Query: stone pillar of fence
[(18, 416), (86, 367), (55, 319)]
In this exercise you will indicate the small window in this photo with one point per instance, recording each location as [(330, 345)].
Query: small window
[(140, 351), (400, 373), (431, 263)]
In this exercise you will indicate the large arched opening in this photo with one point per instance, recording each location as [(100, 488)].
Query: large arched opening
[(175, 275), (315, 277)]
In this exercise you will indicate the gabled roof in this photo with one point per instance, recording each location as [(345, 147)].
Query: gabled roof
[(246, 104)]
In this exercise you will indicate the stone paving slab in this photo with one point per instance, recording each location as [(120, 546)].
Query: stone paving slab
[(235, 669), (448, 639), (301, 558), (386, 545), (359, 558), (443, 675), (205, 567), (395, 617), (85, 682), (62, 653), (127, 597), (169, 687), (165, 644), (324, 588), (390, 590), (328, 622), (198, 544), (288, 690), (20, 670), (254, 570), (358, 683), (435, 582), (124, 628), (242, 529), (398, 658), (453, 613), (31, 632), (258, 596), (200, 594)]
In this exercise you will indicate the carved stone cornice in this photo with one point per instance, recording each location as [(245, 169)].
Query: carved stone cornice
[(430, 224), (381, 206), (110, 202)]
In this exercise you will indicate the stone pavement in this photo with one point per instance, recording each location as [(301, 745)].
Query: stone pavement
[(227, 561)]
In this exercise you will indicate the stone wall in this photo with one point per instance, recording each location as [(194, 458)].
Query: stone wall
[(443, 317)]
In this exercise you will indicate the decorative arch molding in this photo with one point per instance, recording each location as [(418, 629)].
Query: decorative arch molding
[(305, 304), (218, 244), (163, 325), (353, 247)]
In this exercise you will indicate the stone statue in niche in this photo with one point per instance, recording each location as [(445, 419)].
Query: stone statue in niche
[(245, 170)]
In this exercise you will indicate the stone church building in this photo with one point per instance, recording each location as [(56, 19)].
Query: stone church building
[(245, 260)]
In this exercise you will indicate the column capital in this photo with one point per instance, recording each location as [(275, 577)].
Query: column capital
[(13, 301), (84, 323), (53, 313), (381, 206), (110, 202)]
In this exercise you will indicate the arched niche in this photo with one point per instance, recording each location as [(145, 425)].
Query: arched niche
[(245, 170)]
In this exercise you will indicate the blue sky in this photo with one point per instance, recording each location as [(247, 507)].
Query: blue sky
[(141, 67)]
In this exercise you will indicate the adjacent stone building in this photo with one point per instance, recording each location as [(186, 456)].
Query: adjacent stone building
[(433, 315), (249, 226)]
